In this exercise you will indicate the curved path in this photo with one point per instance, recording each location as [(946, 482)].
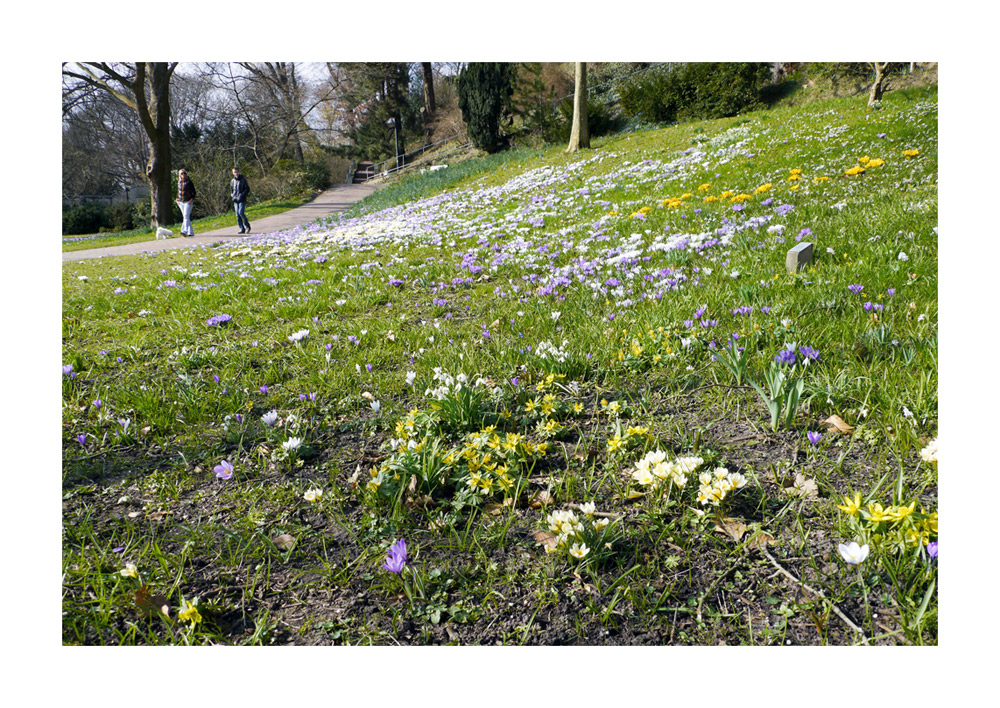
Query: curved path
[(333, 200)]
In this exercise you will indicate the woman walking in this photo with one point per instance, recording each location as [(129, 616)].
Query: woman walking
[(185, 200)]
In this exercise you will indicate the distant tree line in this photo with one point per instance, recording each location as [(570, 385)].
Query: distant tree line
[(292, 128)]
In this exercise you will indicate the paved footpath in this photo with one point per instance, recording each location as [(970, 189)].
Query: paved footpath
[(333, 200)]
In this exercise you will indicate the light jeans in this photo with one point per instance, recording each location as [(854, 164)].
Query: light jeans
[(186, 208)]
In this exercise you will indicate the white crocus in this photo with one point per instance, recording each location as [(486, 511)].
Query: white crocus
[(291, 444), (270, 418), (853, 553)]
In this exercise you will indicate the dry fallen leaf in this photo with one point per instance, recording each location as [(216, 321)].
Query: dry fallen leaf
[(835, 422), (151, 603), (285, 541), (539, 499), (760, 540), (545, 538), (734, 528), (801, 487)]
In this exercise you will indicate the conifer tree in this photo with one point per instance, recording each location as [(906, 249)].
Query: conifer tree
[(484, 91)]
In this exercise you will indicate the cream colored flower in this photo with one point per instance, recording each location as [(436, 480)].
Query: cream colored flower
[(313, 495), (930, 452), (129, 571), (579, 550)]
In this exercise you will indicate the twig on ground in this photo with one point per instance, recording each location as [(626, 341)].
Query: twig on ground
[(818, 593)]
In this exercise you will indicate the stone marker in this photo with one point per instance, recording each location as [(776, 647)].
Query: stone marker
[(799, 257)]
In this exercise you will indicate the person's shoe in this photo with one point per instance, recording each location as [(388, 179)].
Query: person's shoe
[(241, 231), (248, 227)]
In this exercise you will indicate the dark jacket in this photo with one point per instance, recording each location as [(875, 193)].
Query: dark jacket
[(185, 190), (240, 188)]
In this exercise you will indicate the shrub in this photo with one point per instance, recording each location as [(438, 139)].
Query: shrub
[(316, 174), (86, 218), (600, 120), (120, 217), (696, 90)]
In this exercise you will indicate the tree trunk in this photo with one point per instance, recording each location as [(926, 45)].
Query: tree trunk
[(158, 168), (879, 86), (429, 107), (147, 92), (580, 136)]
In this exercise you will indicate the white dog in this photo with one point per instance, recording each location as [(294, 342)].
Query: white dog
[(163, 233)]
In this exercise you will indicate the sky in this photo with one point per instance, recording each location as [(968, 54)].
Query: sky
[(510, 31)]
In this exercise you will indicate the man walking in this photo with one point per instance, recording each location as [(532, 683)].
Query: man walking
[(185, 200), (240, 190)]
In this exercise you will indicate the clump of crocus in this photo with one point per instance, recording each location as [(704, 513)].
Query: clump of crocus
[(814, 437), (715, 485), (583, 538)]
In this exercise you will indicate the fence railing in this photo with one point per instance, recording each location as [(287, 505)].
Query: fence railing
[(379, 169)]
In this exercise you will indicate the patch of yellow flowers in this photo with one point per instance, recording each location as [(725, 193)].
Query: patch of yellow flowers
[(896, 526)]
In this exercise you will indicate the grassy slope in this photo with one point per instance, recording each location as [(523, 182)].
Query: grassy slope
[(150, 488)]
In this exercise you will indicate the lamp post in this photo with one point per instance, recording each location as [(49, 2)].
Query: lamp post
[(395, 135)]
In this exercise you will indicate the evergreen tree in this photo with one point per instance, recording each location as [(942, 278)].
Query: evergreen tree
[(484, 91)]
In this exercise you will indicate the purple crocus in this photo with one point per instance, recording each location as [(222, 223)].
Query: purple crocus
[(395, 559), (855, 288), (809, 353), (224, 470), (932, 549), (814, 438), (97, 404), (785, 356), (263, 389), (82, 438), (67, 369)]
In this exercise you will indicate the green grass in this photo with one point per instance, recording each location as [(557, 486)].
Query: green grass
[(590, 334), (209, 223)]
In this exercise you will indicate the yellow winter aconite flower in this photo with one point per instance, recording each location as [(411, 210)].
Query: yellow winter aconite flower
[(792, 178), (795, 171), (877, 162), (710, 199), (616, 443), (898, 513), (876, 513), (856, 170), (817, 180), (704, 187), (762, 188), (851, 506), (864, 160), (911, 153), (189, 613)]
